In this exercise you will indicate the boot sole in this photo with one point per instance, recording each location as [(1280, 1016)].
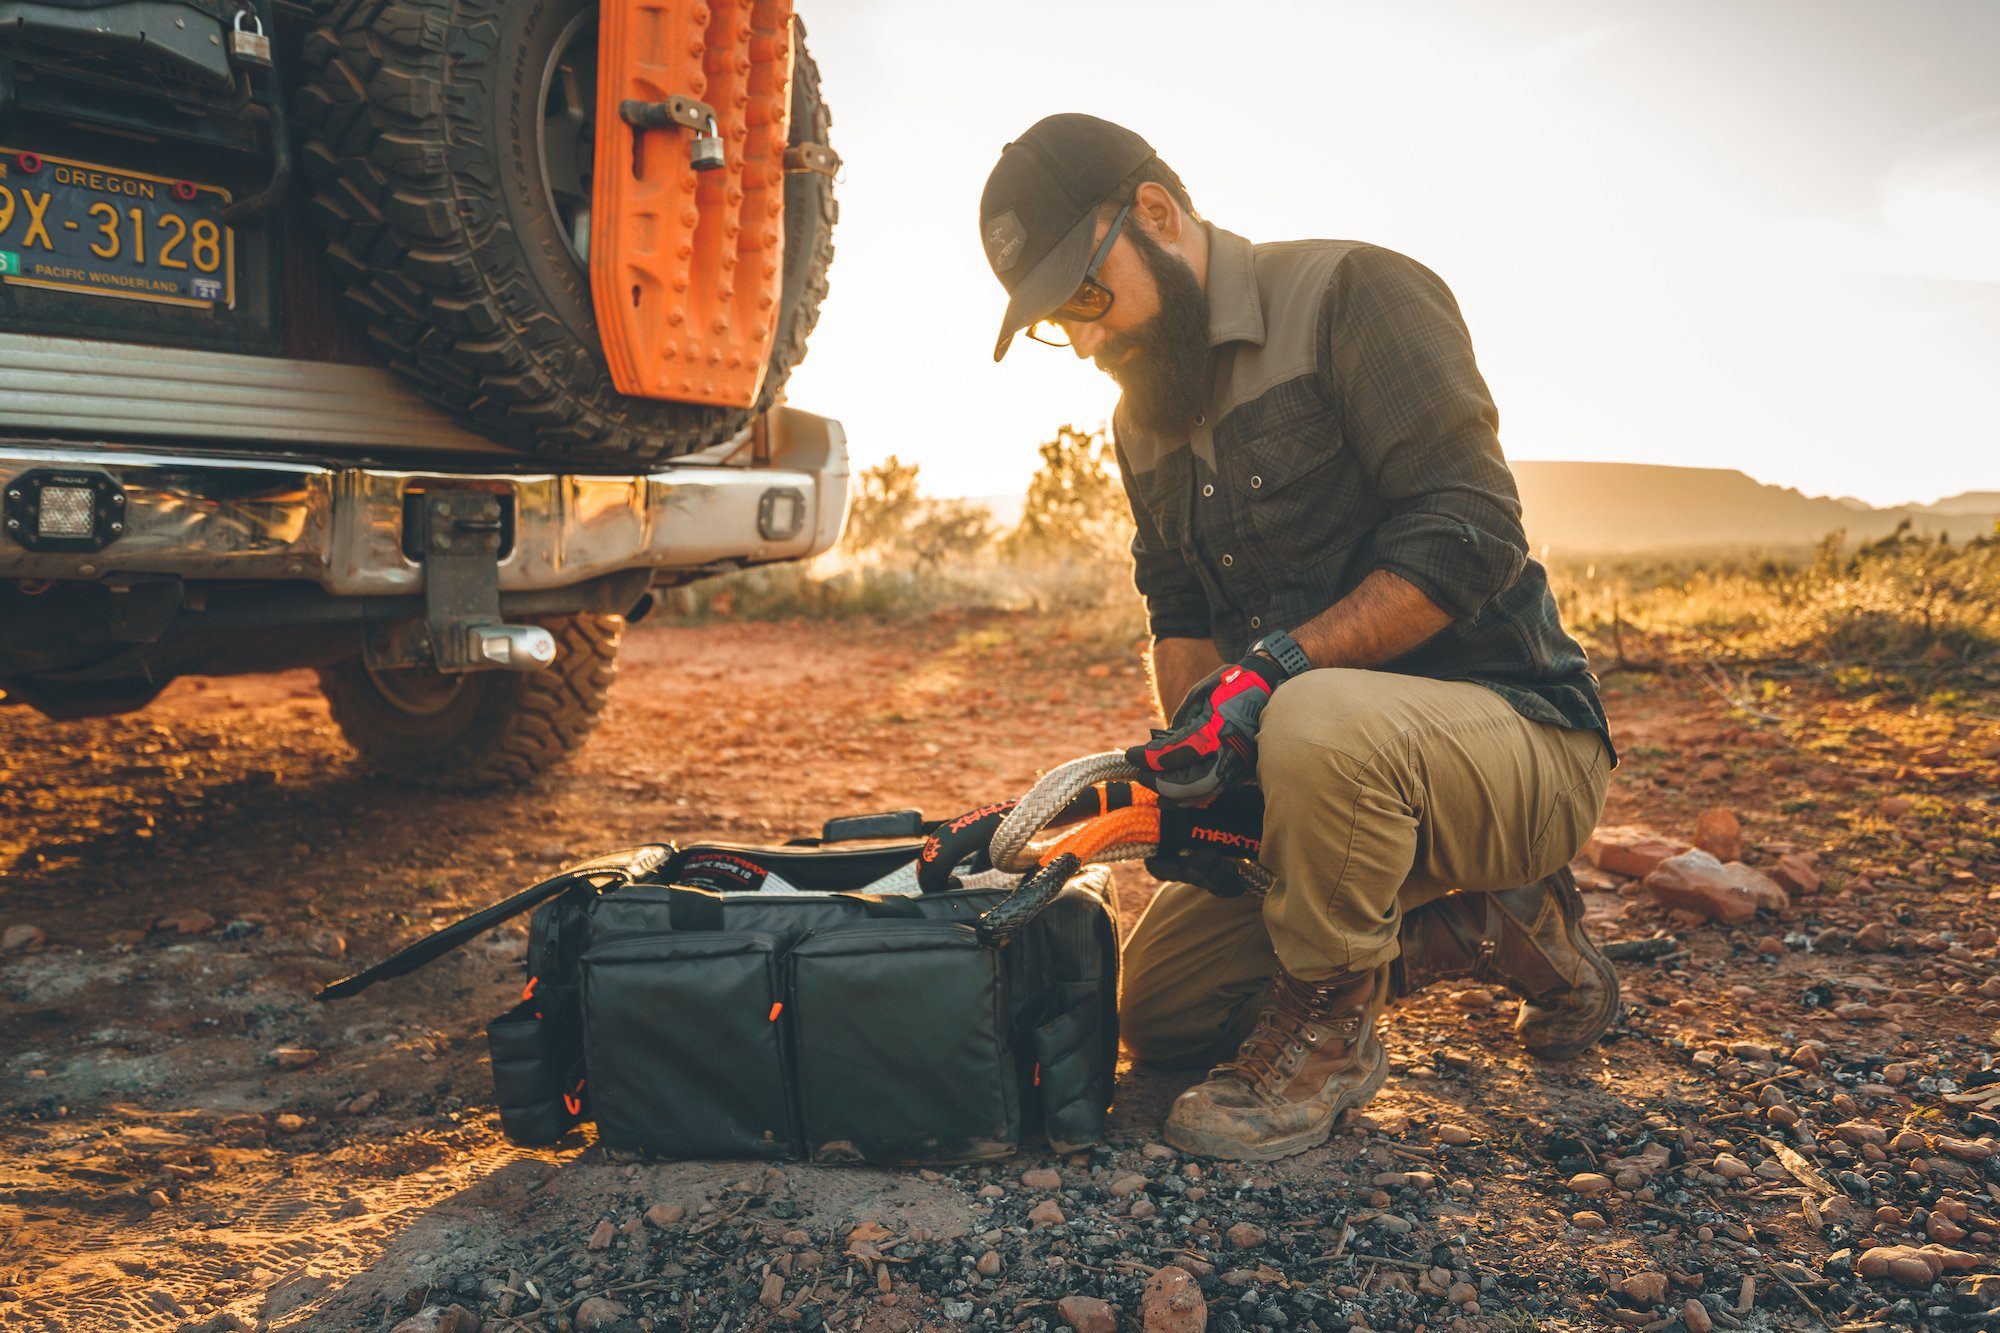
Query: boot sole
[(1206, 1145), (1569, 1050)]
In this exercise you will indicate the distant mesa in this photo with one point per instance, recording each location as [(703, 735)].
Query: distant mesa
[(1620, 508)]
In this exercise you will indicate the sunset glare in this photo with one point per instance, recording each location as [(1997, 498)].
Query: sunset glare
[(1759, 236)]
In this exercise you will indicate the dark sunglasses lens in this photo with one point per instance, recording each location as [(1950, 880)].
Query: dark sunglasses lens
[(1089, 302)]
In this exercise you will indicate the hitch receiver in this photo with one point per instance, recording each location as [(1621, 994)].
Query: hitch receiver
[(458, 538)]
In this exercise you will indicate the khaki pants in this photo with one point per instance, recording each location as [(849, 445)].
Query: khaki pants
[(1381, 793)]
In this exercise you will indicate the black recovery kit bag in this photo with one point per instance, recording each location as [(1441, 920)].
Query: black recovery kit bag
[(911, 1001)]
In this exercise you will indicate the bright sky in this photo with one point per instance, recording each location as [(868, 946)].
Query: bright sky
[(1761, 234)]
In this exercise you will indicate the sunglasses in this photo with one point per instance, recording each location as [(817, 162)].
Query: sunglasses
[(1091, 301)]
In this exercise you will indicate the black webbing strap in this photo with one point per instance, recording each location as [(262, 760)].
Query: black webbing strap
[(620, 867), (689, 908)]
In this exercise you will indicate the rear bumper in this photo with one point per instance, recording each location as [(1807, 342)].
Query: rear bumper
[(341, 526)]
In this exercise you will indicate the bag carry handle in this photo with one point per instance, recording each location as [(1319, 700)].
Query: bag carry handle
[(623, 867), (1005, 919), (853, 828)]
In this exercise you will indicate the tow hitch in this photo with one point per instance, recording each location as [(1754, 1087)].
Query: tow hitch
[(457, 534)]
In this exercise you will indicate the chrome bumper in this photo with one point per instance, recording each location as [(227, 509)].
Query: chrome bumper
[(214, 517)]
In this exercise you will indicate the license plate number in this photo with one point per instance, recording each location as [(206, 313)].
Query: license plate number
[(77, 227)]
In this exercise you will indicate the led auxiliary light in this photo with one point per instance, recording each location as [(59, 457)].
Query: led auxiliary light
[(47, 509)]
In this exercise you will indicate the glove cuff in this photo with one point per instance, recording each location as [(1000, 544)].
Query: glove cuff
[(1283, 649)]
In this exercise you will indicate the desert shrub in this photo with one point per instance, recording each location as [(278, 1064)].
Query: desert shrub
[(1075, 507)]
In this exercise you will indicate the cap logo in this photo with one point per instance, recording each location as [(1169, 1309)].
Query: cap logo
[(1004, 238)]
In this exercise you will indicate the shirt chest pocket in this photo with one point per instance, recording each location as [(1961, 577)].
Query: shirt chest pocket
[(1165, 492), (1306, 496)]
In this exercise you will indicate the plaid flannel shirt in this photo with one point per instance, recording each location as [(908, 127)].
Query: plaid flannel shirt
[(1348, 430)]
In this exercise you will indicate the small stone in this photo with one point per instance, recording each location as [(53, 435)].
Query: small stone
[(1172, 1302), (289, 1122), (1798, 872), (989, 1264), (363, 1103), (1086, 1314), (599, 1312), (1045, 1214), (1589, 1183), (1697, 882), (1042, 1178), (1141, 1209), (1456, 1136), (1770, 945), (294, 1057), (664, 1215), (1158, 1152), (1246, 1235), (1730, 1167), (1718, 832), (992, 1192), (1695, 1315), (1630, 851), (326, 942), (1965, 1150), (1872, 938), (1647, 1288), (1943, 1230), (189, 923), (22, 937), (158, 1198), (1126, 1186), (1588, 1221), (1458, 1293), (1858, 1132), (1806, 1057), (772, 1294), (796, 1238), (1900, 1263), (600, 1235)]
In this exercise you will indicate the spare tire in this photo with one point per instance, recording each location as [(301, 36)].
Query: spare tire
[(448, 147)]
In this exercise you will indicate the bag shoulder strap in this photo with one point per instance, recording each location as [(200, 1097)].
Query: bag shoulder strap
[(597, 874)]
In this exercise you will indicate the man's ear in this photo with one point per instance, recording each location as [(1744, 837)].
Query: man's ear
[(1155, 210)]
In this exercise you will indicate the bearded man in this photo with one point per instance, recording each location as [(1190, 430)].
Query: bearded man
[(1344, 612)]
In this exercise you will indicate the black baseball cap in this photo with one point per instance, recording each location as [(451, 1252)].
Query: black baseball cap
[(1037, 217)]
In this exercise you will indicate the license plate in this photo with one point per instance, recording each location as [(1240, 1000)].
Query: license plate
[(78, 227)]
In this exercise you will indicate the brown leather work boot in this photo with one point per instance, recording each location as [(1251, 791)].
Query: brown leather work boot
[(1313, 1054), (1529, 939)]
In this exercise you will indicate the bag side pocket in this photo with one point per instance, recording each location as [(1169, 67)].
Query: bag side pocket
[(1071, 1077), (537, 1053)]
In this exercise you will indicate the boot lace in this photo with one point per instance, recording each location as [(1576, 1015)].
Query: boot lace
[(1296, 1017)]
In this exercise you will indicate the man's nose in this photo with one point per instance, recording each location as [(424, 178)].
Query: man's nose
[(1085, 339)]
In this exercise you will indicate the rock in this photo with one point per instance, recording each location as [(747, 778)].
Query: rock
[(1806, 1057), (989, 1264), (325, 941), (1872, 938), (1458, 1293), (1625, 850), (1858, 1132), (1159, 1152), (772, 1294), (664, 1215), (1042, 1178), (1731, 1168), (440, 1319), (189, 923), (1982, 1287), (1895, 807), (1086, 1314), (1766, 892), (21, 937), (1046, 1214), (294, 1057), (1126, 1186), (601, 1312), (1456, 1136), (1798, 872), (1588, 1221), (1696, 882), (1718, 832), (990, 1191), (1142, 1208), (1965, 1150), (1943, 1230), (600, 1235), (1589, 1182), (1647, 1288), (363, 1103), (1172, 1303), (289, 1122), (1900, 1263), (1771, 945), (1246, 1235), (1695, 1315)]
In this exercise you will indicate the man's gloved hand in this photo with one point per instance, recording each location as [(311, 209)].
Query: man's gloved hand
[(1217, 872), (1212, 744)]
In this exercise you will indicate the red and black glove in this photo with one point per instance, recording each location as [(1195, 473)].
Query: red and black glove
[(1212, 744)]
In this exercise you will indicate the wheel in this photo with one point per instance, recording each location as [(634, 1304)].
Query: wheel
[(449, 147), (478, 728)]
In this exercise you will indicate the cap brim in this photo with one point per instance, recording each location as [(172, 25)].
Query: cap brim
[(1049, 283)]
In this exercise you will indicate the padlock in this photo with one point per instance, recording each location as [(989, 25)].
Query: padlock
[(705, 151), (249, 46)]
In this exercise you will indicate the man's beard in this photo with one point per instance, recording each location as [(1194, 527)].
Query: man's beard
[(1166, 379)]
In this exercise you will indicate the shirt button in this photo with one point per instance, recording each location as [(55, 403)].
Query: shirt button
[(1256, 622), (1228, 560), (1255, 482), (1207, 491)]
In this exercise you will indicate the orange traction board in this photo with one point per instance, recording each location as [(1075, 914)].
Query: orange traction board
[(686, 266)]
